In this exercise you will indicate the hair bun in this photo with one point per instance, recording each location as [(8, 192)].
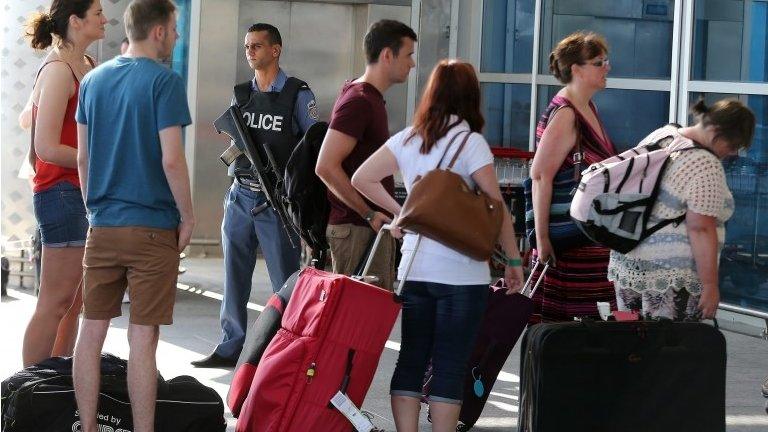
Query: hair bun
[(46, 22), (699, 108), (553, 66)]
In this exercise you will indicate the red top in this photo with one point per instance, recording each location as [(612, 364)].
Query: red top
[(47, 174), (360, 113)]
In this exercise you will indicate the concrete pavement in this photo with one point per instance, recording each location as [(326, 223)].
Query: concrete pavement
[(196, 331)]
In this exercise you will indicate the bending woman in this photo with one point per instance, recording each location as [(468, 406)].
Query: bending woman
[(672, 274), (58, 203)]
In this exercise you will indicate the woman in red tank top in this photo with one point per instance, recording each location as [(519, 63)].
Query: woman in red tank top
[(70, 26)]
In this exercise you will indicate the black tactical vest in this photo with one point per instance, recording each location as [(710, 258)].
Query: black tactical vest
[(269, 118)]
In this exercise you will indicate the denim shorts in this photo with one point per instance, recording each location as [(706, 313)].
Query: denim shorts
[(440, 322), (61, 217)]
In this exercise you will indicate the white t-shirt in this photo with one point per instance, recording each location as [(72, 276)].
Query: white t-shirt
[(435, 262)]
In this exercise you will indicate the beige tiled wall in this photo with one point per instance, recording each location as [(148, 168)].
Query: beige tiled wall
[(18, 65)]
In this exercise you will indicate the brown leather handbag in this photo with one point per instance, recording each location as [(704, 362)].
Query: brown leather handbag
[(442, 207)]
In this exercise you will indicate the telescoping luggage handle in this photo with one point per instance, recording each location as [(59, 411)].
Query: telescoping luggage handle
[(527, 286), (372, 253), (526, 291)]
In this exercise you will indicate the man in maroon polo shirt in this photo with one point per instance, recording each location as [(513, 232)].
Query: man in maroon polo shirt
[(358, 128)]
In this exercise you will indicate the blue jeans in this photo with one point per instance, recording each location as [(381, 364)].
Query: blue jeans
[(241, 234), (61, 216), (439, 322)]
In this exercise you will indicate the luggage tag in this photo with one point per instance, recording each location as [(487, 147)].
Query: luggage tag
[(626, 315), (351, 412), (478, 386)]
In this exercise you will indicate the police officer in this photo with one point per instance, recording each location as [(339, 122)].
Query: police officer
[(277, 110)]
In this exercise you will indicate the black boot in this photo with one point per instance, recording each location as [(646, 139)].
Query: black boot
[(214, 361)]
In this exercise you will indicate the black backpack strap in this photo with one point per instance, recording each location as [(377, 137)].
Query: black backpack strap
[(242, 93), (677, 221)]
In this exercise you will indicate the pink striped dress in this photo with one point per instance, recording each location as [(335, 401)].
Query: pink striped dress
[(580, 279)]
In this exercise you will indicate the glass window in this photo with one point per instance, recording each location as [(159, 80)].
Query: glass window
[(730, 41), (180, 56), (638, 32), (744, 259), (507, 44), (433, 45), (507, 111), (628, 115)]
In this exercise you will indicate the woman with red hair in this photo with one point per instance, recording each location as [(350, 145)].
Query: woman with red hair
[(445, 293)]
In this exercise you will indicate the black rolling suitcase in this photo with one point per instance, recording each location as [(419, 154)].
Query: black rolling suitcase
[(504, 320), (622, 376)]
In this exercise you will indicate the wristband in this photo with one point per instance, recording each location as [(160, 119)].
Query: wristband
[(501, 258)]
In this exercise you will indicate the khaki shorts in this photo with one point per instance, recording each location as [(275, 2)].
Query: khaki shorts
[(146, 259), (348, 245)]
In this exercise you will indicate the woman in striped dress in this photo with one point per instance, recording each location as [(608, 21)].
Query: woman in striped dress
[(570, 130)]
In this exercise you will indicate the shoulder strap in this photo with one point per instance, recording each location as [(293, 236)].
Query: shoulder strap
[(242, 93), (577, 157), (445, 152), (32, 154), (695, 145), (461, 147), (576, 125), (654, 140), (291, 90), (54, 61), (555, 110)]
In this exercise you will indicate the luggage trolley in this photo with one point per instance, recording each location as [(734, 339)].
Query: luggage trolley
[(512, 168)]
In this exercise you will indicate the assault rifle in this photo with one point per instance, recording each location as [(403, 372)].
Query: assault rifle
[(269, 176)]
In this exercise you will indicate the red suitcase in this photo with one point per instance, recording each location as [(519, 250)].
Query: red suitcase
[(332, 335), (258, 338)]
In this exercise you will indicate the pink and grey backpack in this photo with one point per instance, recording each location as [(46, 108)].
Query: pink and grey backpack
[(614, 199)]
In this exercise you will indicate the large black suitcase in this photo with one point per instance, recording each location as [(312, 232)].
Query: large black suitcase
[(622, 376), (41, 398)]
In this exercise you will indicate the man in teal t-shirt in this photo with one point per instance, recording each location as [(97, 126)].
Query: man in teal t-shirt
[(135, 183)]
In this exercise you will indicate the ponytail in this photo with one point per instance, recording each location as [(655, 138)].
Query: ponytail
[(40, 30), (43, 26), (700, 109)]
